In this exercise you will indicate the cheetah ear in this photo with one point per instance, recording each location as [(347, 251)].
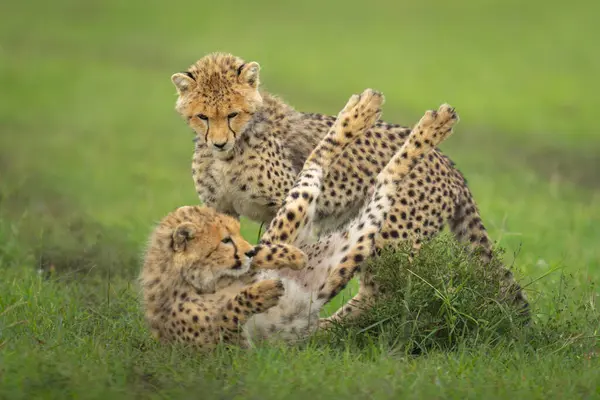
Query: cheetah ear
[(248, 74), (182, 234), (183, 81)]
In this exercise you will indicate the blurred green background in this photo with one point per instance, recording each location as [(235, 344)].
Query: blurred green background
[(89, 133), (92, 154)]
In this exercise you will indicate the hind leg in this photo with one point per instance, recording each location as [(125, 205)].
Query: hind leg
[(431, 130), (292, 223)]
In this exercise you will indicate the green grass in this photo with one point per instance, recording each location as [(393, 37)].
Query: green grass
[(92, 154), (60, 339)]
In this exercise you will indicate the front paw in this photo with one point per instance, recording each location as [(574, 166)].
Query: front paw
[(296, 258), (268, 292), (277, 256)]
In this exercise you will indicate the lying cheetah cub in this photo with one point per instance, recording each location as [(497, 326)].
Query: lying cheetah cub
[(198, 289), (197, 281)]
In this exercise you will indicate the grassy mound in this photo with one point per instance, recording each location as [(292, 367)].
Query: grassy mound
[(448, 299)]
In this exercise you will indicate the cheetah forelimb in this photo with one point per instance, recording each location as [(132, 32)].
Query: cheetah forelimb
[(433, 128), (293, 221)]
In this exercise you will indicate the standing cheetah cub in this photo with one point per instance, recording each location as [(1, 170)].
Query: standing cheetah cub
[(250, 147), (202, 283)]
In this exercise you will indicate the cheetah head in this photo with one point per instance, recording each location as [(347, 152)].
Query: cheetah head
[(201, 246), (218, 96)]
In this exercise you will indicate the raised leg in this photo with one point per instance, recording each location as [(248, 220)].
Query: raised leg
[(292, 223), (432, 129), (277, 256)]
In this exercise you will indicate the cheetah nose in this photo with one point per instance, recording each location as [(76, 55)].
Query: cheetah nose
[(220, 145), (250, 253)]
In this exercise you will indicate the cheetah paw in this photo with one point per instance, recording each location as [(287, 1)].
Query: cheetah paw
[(361, 112), (439, 122), (269, 292), (444, 116), (297, 260)]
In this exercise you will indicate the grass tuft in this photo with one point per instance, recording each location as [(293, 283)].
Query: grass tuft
[(447, 299)]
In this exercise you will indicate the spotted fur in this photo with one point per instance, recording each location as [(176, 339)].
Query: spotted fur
[(198, 278), (196, 289), (268, 142)]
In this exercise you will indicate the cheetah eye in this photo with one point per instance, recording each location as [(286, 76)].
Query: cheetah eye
[(202, 117), (227, 240), (232, 115)]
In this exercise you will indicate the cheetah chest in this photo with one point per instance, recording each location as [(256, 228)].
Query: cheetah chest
[(234, 194)]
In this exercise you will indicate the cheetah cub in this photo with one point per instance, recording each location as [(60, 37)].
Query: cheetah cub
[(199, 281), (203, 284), (251, 145)]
